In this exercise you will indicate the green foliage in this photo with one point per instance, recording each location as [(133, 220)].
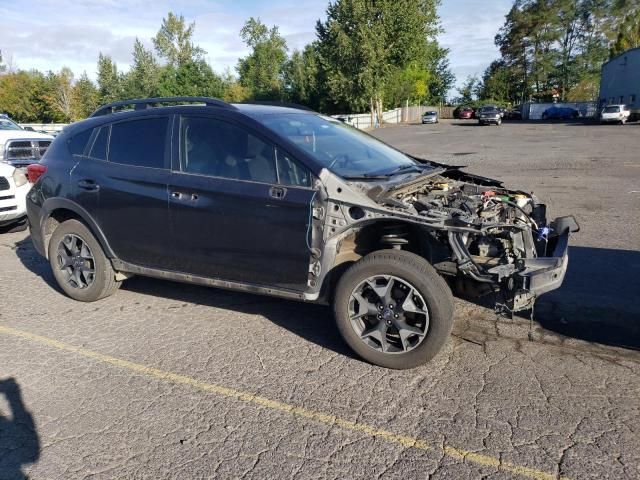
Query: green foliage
[(142, 80), (110, 82), (368, 54), (469, 91), (557, 47), (85, 98), (173, 42), (628, 35), (195, 78), (262, 71), (302, 78), (365, 47)]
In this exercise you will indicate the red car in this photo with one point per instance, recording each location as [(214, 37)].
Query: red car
[(466, 112)]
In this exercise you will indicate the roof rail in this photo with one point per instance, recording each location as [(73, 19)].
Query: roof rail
[(277, 103), (144, 103)]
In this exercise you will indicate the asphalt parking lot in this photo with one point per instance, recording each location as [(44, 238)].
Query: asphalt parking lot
[(166, 380)]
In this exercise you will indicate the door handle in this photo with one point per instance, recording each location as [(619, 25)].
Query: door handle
[(277, 192), (89, 185), (176, 195)]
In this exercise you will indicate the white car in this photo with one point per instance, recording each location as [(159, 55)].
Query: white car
[(615, 113), (20, 147), (14, 186)]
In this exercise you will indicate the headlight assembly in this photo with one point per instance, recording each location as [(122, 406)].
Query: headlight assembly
[(19, 177)]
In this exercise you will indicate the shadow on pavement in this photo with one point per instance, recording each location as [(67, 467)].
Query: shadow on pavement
[(19, 442), (598, 301), (309, 321)]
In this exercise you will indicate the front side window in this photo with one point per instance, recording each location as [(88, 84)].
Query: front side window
[(291, 172), (342, 149), (209, 146), (139, 142)]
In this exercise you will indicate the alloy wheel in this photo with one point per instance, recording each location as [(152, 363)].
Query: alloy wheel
[(388, 314), (76, 261)]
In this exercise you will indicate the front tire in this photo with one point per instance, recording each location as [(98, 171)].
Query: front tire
[(79, 264), (393, 309)]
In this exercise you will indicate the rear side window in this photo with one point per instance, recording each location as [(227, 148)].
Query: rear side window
[(139, 142), (99, 147), (78, 142)]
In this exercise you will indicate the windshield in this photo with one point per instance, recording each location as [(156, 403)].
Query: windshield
[(341, 148), (6, 124), (430, 113), (611, 109)]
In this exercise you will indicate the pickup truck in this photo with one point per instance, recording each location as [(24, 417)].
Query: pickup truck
[(20, 147)]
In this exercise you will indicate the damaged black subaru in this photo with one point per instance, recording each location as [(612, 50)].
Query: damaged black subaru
[(282, 201)]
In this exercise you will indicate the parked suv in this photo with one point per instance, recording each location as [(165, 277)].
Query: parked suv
[(488, 115), (289, 203)]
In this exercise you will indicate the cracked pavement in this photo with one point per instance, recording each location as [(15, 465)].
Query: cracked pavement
[(563, 405)]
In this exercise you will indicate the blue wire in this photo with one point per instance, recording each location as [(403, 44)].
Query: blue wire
[(310, 220)]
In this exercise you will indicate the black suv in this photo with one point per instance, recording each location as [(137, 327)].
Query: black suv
[(287, 202)]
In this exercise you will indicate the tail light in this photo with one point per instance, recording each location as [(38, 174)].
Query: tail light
[(35, 171)]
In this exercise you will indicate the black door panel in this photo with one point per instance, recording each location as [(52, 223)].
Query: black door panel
[(235, 230), (127, 199)]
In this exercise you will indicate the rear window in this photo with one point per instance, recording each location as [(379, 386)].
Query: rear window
[(139, 143), (612, 109), (78, 142)]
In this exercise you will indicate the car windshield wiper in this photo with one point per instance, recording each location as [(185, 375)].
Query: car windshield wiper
[(366, 176), (406, 169)]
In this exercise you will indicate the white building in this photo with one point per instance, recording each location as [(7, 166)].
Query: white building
[(620, 81)]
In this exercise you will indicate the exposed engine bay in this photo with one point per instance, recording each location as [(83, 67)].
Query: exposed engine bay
[(470, 227)]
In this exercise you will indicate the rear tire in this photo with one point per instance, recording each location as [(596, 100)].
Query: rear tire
[(79, 264), (424, 322)]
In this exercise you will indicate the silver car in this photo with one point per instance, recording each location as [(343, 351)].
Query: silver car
[(430, 117)]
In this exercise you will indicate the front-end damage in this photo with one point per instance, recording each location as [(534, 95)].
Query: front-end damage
[(474, 231)]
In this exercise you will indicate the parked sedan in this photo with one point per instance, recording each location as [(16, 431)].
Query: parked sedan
[(560, 113), (430, 117), (615, 113), (466, 113)]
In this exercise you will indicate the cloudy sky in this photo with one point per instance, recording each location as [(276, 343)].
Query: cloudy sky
[(50, 34)]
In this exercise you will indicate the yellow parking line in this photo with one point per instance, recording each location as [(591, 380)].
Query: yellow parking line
[(316, 416)]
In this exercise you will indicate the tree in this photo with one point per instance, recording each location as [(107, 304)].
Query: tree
[(442, 78), (302, 78), (61, 93), (364, 46), (173, 42), (109, 81), (469, 91), (143, 77), (262, 71), (85, 98), (628, 35), (194, 78)]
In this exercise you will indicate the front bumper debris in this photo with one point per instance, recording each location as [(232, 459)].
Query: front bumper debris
[(546, 273)]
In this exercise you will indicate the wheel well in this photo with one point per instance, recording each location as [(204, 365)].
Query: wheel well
[(55, 218), (382, 235)]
